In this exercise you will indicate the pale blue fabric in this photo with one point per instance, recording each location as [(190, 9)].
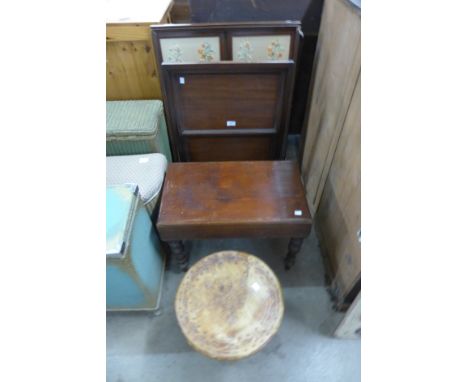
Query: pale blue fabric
[(120, 203)]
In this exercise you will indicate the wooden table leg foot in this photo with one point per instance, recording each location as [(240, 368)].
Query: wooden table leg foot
[(293, 248), (178, 251)]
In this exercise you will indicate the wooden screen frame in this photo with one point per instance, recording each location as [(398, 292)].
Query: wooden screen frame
[(171, 72), (225, 32)]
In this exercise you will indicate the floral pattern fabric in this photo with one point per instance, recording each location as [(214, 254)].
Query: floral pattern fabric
[(205, 52), (259, 49), (190, 49), (175, 54), (275, 50), (245, 51)]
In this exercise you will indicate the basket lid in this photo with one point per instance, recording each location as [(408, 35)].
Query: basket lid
[(121, 203), (140, 117)]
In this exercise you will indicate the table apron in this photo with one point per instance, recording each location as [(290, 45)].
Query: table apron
[(168, 233)]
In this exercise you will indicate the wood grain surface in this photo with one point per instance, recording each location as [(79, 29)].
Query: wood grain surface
[(339, 211), (130, 64), (253, 147), (202, 98), (233, 199), (336, 69), (207, 101), (332, 152), (229, 305)]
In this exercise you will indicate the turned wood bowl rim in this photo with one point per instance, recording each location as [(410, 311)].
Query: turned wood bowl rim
[(275, 328)]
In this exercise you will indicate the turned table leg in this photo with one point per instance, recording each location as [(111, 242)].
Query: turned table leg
[(293, 248), (178, 251)]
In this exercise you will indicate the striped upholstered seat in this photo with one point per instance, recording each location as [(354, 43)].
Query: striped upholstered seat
[(146, 170)]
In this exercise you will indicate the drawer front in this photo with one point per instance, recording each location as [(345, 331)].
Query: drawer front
[(224, 101), (205, 149)]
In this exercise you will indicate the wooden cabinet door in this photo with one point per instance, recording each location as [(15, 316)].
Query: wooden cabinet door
[(331, 157), (228, 111), (337, 66), (339, 212)]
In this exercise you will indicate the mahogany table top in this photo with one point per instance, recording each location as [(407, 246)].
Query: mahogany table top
[(233, 199)]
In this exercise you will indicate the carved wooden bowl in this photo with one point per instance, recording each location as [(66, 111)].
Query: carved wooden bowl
[(229, 305)]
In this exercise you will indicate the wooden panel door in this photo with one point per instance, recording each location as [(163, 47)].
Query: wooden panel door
[(337, 66), (228, 111), (331, 153), (339, 212), (228, 101)]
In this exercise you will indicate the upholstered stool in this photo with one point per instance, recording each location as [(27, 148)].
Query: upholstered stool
[(134, 259), (229, 305), (147, 171), (136, 127)]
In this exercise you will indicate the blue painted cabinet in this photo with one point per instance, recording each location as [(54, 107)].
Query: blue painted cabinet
[(134, 257)]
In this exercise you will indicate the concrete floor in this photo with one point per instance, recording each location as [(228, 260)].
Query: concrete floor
[(143, 347)]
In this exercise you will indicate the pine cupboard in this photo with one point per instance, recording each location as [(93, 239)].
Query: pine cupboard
[(331, 154), (131, 71)]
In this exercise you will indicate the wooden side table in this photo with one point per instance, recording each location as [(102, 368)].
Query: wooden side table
[(258, 199)]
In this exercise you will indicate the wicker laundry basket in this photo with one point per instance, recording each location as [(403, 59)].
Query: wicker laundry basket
[(136, 127)]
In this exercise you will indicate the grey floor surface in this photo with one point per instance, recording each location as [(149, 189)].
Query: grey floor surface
[(143, 347)]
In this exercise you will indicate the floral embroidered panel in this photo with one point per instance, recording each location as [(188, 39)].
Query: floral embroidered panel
[(190, 49), (260, 48)]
